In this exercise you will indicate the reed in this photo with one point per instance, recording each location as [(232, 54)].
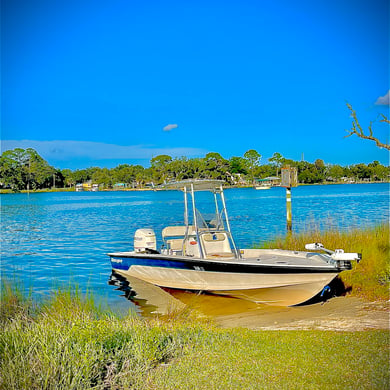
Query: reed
[(371, 276), (67, 343), (14, 304)]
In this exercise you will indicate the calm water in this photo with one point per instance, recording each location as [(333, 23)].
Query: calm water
[(60, 239)]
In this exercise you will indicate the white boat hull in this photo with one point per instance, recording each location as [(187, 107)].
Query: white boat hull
[(275, 289)]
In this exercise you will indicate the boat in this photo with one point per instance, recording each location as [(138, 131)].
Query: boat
[(267, 183), (263, 187), (201, 255)]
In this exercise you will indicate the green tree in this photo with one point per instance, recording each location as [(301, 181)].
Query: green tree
[(335, 172), (41, 174), (11, 171), (25, 169), (195, 168), (265, 170), (160, 168), (237, 165), (307, 173), (68, 176), (253, 159), (277, 160), (320, 169), (182, 168), (359, 171), (378, 171), (214, 167), (125, 173), (83, 175), (102, 176)]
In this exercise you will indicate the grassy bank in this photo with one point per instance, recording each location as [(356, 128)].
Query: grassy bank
[(69, 344), (368, 279)]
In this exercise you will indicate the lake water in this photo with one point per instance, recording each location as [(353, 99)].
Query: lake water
[(52, 240)]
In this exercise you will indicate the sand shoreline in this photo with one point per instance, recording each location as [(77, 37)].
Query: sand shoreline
[(337, 314)]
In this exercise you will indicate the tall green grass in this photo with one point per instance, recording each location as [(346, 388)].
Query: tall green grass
[(69, 344), (371, 276)]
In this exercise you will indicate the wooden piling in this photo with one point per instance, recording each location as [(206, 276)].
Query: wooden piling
[(288, 209)]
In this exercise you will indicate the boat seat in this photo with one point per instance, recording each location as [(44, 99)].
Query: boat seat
[(176, 244), (175, 231), (216, 245), (173, 236)]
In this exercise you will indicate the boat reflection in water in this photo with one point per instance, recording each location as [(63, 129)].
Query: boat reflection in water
[(151, 300), (148, 299)]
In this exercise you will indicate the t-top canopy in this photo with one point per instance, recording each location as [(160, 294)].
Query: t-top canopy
[(196, 184)]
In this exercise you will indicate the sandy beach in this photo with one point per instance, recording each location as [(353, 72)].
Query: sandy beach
[(339, 314)]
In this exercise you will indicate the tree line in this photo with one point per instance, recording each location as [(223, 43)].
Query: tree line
[(25, 169)]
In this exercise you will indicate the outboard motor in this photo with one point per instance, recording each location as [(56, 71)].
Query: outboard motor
[(145, 240)]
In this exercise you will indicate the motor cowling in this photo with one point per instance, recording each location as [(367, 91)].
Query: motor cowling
[(144, 239)]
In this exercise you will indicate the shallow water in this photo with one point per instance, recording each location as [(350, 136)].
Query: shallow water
[(52, 240)]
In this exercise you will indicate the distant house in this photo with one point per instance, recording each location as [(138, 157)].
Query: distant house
[(87, 185), (120, 186)]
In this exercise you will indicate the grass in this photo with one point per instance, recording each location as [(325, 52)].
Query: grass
[(371, 276), (69, 344), (243, 359)]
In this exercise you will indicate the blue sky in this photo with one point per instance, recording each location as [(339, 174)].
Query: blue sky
[(97, 83)]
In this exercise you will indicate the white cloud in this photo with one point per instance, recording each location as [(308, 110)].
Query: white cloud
[(66, 150), (170, 127), (383, 100)]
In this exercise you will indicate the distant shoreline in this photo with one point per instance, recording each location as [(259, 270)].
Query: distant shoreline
[(8, 191)]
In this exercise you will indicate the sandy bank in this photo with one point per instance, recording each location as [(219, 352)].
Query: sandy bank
[(340, 314)]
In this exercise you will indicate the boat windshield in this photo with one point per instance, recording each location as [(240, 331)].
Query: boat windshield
[(211, 222)]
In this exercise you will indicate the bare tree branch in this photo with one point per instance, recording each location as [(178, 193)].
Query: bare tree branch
[(357, 129), (384, 119)]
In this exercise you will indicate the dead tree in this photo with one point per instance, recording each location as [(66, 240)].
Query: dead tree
[(357, 129)]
